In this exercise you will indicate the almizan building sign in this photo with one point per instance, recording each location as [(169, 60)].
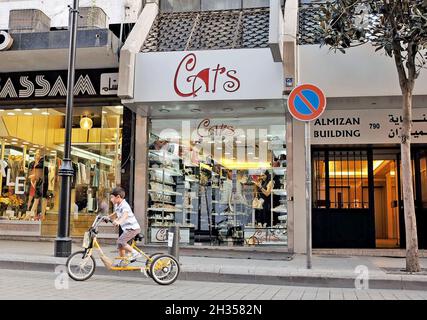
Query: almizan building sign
[(53, 84)]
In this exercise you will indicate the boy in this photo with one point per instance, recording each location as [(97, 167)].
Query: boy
[(127, 221)]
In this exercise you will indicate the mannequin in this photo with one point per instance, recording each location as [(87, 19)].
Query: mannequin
[(93, 186), (38, 180)]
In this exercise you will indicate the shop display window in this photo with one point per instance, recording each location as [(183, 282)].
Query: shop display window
[(32, 143), (223, 184)]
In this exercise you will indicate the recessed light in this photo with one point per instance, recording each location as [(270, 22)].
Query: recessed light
[(196, 110), (119, 107), (219, 148), (14, 142), (1, 110), (35, 109), (259, 108), (10, 114), (14, 139), (17, 109), (228, 109), (104, 112), (35, 146), (25, 143), (28, 113), (227, 153), (45, 113), (250, 153)]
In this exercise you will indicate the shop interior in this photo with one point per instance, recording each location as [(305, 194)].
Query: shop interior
[(223, 181), (32, 143)]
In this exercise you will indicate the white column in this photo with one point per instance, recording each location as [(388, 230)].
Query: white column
[(141, 172), (299, 205)]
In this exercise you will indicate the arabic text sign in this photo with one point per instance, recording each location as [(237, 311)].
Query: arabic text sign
[(366, 126)]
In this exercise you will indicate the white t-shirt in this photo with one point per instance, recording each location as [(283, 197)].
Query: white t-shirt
[(130, 222)]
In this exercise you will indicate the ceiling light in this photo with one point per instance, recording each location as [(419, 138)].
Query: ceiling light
[(28, 113), (119, 107), (35, 109), (10, 114), (86, 123), (14, 139), (25, 143), (1, 110), (17, 109), (45, 113), (249, 153), (14, 142), (35, 146), (104, 112)]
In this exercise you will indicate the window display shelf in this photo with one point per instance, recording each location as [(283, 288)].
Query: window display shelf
[(163, 210), (161, 201), (166, 183), (160, 218), (168, 171), (166, 192), (164, 153), (280, 210), (280, 192), (190, 179), (279, 171)]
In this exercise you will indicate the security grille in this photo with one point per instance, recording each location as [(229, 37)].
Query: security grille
[(209, 30)]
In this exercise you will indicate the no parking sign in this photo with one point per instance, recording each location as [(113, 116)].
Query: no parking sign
[(306, 102)]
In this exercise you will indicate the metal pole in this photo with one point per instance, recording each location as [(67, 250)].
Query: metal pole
[(63, 240), (308, 189)]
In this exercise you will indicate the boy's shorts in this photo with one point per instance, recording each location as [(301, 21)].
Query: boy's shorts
[(126, 236)]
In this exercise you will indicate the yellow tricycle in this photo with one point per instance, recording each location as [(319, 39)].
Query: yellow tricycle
[(162, 268)]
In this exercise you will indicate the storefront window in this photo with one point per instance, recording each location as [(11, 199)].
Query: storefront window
[(223, 181), (32, 143)]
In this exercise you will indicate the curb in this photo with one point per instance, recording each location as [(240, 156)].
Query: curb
[(397, 283)]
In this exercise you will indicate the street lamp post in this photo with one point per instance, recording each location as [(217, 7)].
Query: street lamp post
[(63, 240)]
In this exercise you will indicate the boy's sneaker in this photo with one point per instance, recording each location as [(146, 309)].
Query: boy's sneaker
[(135, 256)]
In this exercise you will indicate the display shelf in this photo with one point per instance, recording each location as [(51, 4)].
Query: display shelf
[(163, 210), (280, 210), (161, 218), (166, 192), (165, 183), (279, 171), (191, 179), (280, 192), (164, 153), (161, 201), (168, 171)]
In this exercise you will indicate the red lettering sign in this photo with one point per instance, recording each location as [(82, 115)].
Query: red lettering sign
[(201, 80)]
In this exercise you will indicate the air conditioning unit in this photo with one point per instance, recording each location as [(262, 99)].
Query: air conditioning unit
[(28, 20), (92, 18), (6, 41)]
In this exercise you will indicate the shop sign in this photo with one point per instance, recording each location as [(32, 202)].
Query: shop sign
[(259, 236), (208, 75), (366, 127), (160, 235), (53, 84)]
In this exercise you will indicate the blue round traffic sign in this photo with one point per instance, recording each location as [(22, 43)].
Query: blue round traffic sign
[(306, 102)]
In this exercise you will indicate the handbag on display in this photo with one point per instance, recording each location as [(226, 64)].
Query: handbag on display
[(257, 202)]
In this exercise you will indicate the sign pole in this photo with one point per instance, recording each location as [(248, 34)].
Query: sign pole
[(308, 190), (306, 103)]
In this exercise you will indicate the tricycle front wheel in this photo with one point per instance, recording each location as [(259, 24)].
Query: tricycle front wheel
[(80, 266)]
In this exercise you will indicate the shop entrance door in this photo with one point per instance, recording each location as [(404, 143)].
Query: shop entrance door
[(386, 199)]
